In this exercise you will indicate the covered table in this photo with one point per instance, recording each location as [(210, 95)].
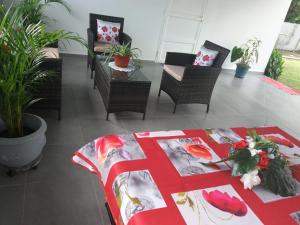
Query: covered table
[(156, 178)]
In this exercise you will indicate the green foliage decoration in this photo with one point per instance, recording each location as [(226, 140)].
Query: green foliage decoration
[(21, 54), (123, 50), (33, 10), (293, 15), (247, 53), (274, 68), (276, 174)]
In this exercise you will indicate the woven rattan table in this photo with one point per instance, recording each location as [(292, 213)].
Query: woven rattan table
[(121, 91)]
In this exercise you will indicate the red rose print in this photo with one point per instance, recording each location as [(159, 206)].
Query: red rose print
[(263, 160), (225, 202), (240, 145), (105, 144), (108, 38), (99, 36), (199, 151), (114, 29), (104, 29), (199, 53), (205, 58), (280, 141)]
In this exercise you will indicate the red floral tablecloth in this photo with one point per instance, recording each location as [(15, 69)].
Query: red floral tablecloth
[(156, 178)]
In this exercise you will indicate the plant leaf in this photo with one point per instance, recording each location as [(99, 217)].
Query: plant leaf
[(236, 53), (191, 203), (182, 201)]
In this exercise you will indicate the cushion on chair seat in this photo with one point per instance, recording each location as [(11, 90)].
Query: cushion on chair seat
[(101, 46), (175, 71), (51, 53)]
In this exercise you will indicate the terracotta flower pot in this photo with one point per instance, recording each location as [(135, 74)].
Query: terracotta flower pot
[(122, 61)]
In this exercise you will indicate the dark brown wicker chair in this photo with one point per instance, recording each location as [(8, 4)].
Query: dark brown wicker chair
[(92, 37), (50, 90), (197, 83)]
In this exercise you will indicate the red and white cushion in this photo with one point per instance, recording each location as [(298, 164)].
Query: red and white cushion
[(205, 57), (108, 32)]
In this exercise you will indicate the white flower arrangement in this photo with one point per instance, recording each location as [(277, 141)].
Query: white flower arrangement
[(251, 179)]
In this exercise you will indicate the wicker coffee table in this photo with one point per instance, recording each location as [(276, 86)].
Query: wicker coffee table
[(121, 91)]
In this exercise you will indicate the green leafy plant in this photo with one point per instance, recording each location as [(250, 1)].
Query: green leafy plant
[(123, 50), (247, 53), (21, 54), (33, 10), (293, 15), (274, 68), (258, 158)]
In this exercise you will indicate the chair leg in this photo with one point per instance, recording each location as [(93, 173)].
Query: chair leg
[(174, 108), (92, 73), (207, 109), (159, 92), (107, 115)]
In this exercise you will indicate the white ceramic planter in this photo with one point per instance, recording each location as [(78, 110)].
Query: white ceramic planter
[(23, 152)]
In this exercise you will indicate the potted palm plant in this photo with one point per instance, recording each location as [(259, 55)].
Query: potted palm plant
[(245, 56), (122, 54), (33, 10), (22, 136)]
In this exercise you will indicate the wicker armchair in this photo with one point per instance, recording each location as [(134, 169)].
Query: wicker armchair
[(196, 83), (50, 90), (97, 47)]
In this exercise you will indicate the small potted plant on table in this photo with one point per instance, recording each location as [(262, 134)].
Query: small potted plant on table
[(245, 56), (122, 54)]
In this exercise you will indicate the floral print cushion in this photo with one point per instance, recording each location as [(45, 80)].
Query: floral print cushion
[(108, 32), (205, 57)]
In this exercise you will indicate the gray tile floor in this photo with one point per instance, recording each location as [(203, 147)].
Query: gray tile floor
[(57, 193)]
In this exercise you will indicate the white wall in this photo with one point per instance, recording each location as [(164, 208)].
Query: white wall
[(289, 37), (143, 19), (233, 22), (228, 23)]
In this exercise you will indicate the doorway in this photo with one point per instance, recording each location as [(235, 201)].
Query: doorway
[(182, 26)]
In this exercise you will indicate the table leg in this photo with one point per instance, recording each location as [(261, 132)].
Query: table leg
[(109, 214), (144, 115)]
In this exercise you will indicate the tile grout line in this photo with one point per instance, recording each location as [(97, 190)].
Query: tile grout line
[(10, 185), (24, 199), (96, 197)]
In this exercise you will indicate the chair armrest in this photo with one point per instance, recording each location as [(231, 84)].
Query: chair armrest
[(192, 72), (125, 39), (53, 45), (52, 64), (179, 59), (91, 39)]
